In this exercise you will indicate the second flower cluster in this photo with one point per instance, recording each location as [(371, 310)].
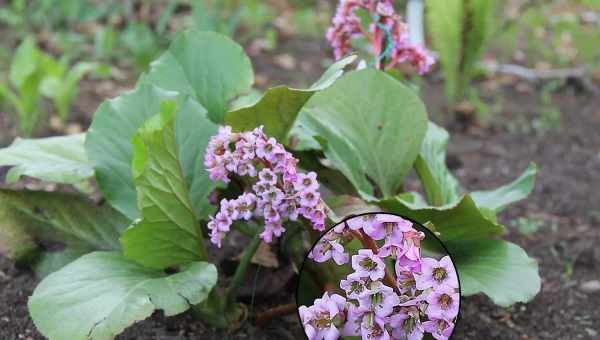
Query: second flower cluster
[(392, 292)]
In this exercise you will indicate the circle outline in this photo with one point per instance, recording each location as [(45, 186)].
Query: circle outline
[(458, 316)]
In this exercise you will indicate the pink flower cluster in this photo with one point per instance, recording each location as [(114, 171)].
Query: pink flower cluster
[(275, 190), (422, 297), (386, 27)]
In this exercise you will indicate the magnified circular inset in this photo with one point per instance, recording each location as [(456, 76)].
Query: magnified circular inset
[(378, 276)]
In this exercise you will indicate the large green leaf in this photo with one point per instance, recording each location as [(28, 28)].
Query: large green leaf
[(100, 294), (500, 269), (68, 219), (209, 66), (168, 233), (108, 145), (441, 187), (460, 221), (193, 130), (108, 142), (332, 73), (15, 241), (278, 108), (54, 159), (371, 127), (517, 190), (49, 262)]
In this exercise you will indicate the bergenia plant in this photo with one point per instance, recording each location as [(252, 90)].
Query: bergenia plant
[(392, 292), (143, 246)]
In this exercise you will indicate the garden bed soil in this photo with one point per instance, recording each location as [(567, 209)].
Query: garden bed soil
[(565, 198)]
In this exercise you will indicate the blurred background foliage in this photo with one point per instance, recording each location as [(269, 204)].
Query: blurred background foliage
[(548, 42)]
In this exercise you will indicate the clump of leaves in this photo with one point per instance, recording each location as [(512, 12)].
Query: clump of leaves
[(460, 30), (361, 132), (227, 16), (23, 95), (35, 74), (561, 33)]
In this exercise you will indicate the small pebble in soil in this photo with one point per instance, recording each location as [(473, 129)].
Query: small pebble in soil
[(3, 276), (590, 287)]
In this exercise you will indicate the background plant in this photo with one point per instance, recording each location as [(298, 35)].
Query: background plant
[(23, 95), (381, 29), (460, 32), (34, 74)]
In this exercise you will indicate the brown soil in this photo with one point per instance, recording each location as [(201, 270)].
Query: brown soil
[(565, 198)]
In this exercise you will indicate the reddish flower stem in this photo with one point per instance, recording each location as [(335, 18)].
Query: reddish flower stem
[(368, 242), (266, 316)]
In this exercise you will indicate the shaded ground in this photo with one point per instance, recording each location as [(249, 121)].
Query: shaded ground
[(565, 200)]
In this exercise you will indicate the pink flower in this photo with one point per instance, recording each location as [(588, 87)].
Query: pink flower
[(223, 221), (405, 279), (440, 329), (306, 181), (271, 214), (386, 25), (385, 8), (273, 195), (410, 256), (229, 209), (436, 273), (375, 230), (265, 148), (373, 327), (394, 226), (289, 209), (367, 264), (417, 56), (309, 198), (247, 147), (358, 222), (246, 169), (272, 229), (329, 246), (380, 299), (354, 285), (322, 319), (407, 323), (392, 247), (443, 303), (245, 205), (353, 324), (267, 176)]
